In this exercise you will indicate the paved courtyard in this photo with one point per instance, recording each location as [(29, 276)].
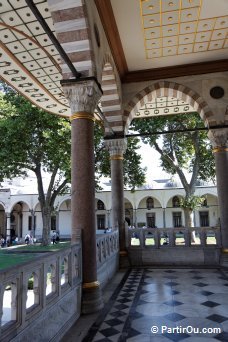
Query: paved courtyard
[(177, 304)]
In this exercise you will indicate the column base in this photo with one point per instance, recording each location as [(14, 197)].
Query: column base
[(224, 257), (123, 259), (92, 300)]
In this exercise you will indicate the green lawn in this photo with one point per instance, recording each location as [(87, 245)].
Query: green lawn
[(9, 260), (39, 248), (15, 256)]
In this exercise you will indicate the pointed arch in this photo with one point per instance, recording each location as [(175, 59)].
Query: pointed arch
[(168, 89)]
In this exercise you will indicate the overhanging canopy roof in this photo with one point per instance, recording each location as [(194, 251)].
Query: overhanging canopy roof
[(29, 61), (149, 39)]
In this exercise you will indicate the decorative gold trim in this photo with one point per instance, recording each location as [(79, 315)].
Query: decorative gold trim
[(150, 23), (225, 250), (123, 253), (116, 157), (91, 285), (220, 149), (82, 115)]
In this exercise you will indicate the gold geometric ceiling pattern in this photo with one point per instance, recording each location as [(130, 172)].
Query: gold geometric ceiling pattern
[(175, 28), (164, 106), (29, 61)]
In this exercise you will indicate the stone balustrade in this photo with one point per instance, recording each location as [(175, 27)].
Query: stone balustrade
[(40, 298), (107, 256), (174, 237), (174, 246), (107, 245)]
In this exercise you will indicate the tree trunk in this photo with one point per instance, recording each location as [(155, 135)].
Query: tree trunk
[(46, 215), (189, 221)]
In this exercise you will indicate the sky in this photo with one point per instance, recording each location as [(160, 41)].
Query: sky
[(150, 159)]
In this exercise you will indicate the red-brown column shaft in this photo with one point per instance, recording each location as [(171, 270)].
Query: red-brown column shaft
[(83, 194), (221, 162), (118, 217), (83, 98), (116, 149), (219, 139)]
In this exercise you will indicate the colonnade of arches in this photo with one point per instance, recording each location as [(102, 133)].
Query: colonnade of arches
[(147, 210)]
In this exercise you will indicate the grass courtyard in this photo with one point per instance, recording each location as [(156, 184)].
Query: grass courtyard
[(10, 257)]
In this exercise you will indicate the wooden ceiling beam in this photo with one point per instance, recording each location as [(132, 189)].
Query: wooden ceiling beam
[(105, 11), (176, 71)]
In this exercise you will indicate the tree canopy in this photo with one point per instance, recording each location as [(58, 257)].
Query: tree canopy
[(38, 141), (134, 174), (181, 152)]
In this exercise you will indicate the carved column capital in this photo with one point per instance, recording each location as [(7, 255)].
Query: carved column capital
[(219, 139), (82, 96), (116, 147)]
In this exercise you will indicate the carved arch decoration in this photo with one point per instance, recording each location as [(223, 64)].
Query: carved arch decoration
[(167, 89)]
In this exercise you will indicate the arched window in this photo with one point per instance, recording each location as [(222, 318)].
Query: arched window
[(100, 205), (176, 202), (204, 202), (150, 203)]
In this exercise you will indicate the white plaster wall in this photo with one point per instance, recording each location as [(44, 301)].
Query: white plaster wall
[(134, 201), (64, 223)]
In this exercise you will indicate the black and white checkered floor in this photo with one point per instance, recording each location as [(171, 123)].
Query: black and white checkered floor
[(166, 301)]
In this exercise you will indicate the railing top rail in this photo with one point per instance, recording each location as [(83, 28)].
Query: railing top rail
[(105, 235), (40, 258), (175, 228)]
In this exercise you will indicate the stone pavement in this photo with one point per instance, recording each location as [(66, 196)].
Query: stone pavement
[(180, 305)]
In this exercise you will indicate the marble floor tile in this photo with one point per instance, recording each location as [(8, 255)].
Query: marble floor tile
[(167, 300)]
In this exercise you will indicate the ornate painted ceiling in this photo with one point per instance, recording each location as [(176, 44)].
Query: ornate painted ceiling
[(165, 33), (173, 28), (149, 39), (29, 61)]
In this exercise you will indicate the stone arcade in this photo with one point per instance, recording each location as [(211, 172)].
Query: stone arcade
[(69, 56)]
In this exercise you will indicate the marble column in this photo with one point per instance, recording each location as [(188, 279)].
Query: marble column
[(57, 221), (33, 222), (8, 227), (83, 97), (135, 221), (164, 218), (219, 140), (116, 148)]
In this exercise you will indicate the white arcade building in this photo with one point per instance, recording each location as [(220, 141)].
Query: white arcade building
[(157, 206)]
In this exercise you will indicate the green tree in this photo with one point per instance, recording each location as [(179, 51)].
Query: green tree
[(37, 141), (41, 142), (188, 151), (134, 174)]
